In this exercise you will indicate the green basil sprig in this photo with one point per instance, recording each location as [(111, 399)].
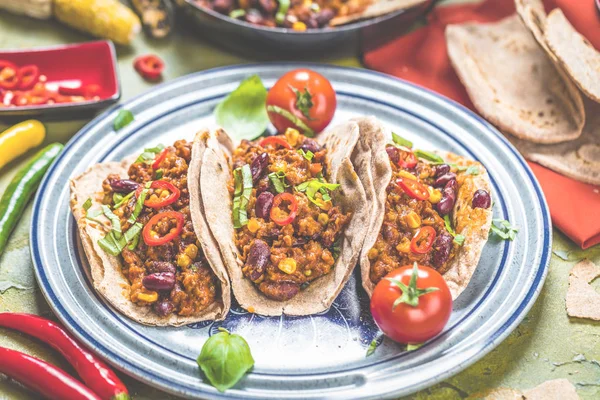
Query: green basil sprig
[(224, 359), (123, 118), (243, 189)]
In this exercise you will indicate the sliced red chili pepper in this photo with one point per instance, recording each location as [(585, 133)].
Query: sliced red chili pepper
[(276, 212), (160, 158), (91, 90), (274, 140), (423, 240), (30, 98), (407, 160), (162, 202), (413, 188), (151, 238), (149, 66), (28, 76), (74, 88), (9, 75)]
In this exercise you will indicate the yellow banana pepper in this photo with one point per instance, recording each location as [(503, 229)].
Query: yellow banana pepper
[(18, 139)]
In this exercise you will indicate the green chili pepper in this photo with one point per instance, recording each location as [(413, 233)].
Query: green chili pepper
[(21, 188)]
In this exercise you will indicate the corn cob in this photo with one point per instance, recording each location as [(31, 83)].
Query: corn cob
[(40, 9)]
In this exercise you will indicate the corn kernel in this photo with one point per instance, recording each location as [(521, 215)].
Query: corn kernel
[(406, 174), (307, 3), (373, 253), (308, 272), (251, 309), (404, 246), (292, 135), (323, 219), (253, 225), (183, 260), (191, 251), (149, 297), (434, 195), (299, 26), (324, 205), (287, 265), (413, 220)]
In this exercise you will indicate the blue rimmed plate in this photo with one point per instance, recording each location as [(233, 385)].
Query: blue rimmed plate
[(302, 357)]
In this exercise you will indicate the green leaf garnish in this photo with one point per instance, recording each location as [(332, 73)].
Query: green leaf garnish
[(224, 359), (503, 229), (242, 113), (159, 174), (472, 170), (243, 189), (372, 346), (293, 119), (117, 198), (412, 347), (426, 155), (458, 239), (88, 203), (123, 200), (303, 102), (410, 294), (284, 6), (149, 154), (306, 154), (400, 141), (337, 248), (114, 220), (111, 244), (237, 13), (312, 186), (139, 204), (278, 181), (124, 118)]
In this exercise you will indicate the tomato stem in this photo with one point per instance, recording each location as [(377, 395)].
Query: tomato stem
[(410, 294)]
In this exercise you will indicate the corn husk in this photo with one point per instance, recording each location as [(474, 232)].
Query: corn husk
[(40, 9)]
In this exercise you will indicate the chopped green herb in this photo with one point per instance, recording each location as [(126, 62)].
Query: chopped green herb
[(123, 200), (503, 229), (293, 119), (372, 346), (243, 188), (139, 204), (412, 347), (111, 244), (93, 214), (117, 198), (306, 154), (87, 204), (303, 102), (337, 248), (237, 13), (458, 239), (311, 187), (284, 6), (426, 155), (400, 141), (278, 181), (472, 170), (149, 154), (159, 174), (114, 220), (124, 118)]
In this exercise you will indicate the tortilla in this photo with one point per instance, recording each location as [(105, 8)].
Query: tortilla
[(473, 224), (533, 16), (105, 269), (377, 8), (578, 159), (582, 300), (215, 172), (556, 389), (513, 84)]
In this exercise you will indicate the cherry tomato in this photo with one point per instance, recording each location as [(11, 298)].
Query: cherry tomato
[(306, 96), (412, 304)]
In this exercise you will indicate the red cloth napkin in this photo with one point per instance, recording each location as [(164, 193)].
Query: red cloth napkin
[(421, 57)]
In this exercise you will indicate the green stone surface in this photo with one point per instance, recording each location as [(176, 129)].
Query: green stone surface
[(546, 345)]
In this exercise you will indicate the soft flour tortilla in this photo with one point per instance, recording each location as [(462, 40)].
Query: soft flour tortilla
[(105, 269), (473, 224), (377, 8), (513, 84), (215, 172)]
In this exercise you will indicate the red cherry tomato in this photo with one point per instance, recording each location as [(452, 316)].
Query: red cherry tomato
[(307, 96), (422, 300)]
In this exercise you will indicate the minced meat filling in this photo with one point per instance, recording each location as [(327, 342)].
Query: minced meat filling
[(281, 259), (173, 277)]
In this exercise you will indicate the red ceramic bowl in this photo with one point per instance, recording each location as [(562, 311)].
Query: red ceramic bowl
[(90, 63)]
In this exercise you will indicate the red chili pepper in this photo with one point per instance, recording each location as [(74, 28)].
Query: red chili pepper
[(274, 140), (30, 98), (413, 188), (172, 198), (149, 66), (159, 159), (46, 379), (9, 75), (28, 76), (74, 88), (423, 240), (152, 239), (91, 90), (94, 372), (407, 160), (293, 207)]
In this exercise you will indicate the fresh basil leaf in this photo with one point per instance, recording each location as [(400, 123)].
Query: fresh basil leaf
[(243, 114), (426, 155), (278, 181), (503, 229), (139, 204), (459, 240), (149, 154), (224, 359), (312, 186), (114, 220), (117, 198), (243, 189), (87, 204), (306, 154), (111, 244), (472, 170), (133, 231), (306, 130), (123, 200), (159, 174), (372, 346), (400, 141), (124, 118)]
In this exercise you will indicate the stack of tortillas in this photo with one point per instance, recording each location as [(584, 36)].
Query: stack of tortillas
[(537, 79)]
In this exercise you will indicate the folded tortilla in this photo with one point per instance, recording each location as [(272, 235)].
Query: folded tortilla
[(473, 223), (105, 269), (215, 149), (513, 83), (376, 9)]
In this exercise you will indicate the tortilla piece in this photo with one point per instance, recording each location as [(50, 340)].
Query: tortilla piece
[(504, 394), (556, 389), (105, 269), (513, 84), (533, 16), (578, 159), (582, 299), (377, 8), (217, 204)]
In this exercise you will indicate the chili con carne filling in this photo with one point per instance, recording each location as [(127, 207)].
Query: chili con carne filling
[(162, 257), (287, 225), (419, 195)]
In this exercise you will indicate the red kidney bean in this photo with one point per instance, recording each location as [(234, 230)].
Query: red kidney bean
[(441, 169), (446, 204), (161, 266), (264, 202), (441, 249), (280, 291), (312, 23), (257, 261), (481, 199), (258, 166), (223, 6), (123, 185), (159, 281), (310, 145), (324, 16), (444, 179), (163, 307), (393, 154)]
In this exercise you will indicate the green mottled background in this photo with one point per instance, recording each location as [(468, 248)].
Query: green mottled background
[(547, 344)]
